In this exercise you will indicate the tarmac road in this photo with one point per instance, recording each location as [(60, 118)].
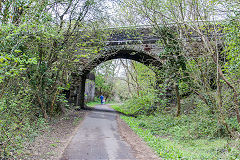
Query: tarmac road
[(98, 138)]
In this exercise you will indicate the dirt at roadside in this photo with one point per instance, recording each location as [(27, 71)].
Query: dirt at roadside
[(50, 144), (142, 150)]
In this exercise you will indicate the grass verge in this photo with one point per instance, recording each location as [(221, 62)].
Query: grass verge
[(92, 104), (119, 108), (174, 147)]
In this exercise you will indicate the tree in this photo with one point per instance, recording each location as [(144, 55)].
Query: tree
[(37, 59), (199, 19)]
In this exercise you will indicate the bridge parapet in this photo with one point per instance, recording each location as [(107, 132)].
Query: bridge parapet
[(146, 34)]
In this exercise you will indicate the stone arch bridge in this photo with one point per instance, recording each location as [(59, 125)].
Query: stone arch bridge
[(138, 44)]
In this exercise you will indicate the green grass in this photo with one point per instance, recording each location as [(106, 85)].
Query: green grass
[(92, 104), (173, 140), (121, 109), (117, 108)]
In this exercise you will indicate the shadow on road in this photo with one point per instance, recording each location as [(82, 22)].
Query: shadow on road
[(101, 109), (106, 108)]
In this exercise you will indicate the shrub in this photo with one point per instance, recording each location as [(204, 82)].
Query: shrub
[(19, 120), (138, 105)]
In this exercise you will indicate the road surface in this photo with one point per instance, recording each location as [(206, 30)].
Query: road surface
[(98, 138)]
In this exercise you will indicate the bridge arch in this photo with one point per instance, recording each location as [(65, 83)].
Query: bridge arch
[(141, 55)]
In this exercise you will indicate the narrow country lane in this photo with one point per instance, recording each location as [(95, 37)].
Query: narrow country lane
[(98, 138)]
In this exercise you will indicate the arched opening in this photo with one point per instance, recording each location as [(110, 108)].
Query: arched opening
[(140, 56)]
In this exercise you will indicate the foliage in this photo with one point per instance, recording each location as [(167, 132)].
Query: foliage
[(137, 105), (39, 52), (105, 74), (103, 86), (118, 108), (145, 76), (231, 30), (25, 80), (163, 149), (162, 133), (134, 79), (36, 61), (93, 104), (18, 122)]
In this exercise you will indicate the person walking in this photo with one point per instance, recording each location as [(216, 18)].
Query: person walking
[(101, 97)]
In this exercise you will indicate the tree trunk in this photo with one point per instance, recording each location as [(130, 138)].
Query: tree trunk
[(81, 92), (215, 59), (43, 108), (219, 101), (178, 101), (53, 102), (232, 87)]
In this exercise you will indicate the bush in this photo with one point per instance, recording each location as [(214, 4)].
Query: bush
[(19, 121), (144, 104)]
